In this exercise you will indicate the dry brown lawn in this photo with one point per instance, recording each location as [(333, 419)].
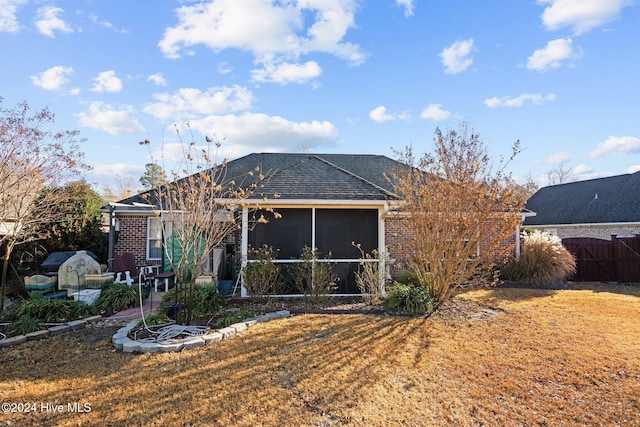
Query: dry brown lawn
[(541, 357)]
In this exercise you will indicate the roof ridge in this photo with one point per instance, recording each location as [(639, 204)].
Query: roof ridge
[(387, 192)]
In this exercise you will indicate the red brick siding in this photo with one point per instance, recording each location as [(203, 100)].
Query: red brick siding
[(132, 237), (398, 238)]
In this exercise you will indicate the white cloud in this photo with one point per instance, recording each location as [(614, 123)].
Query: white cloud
[(435, 112), (47, 21), (558, 158), (379, 114), (8, 21), (287, 73), (551, 56), (274, 32), (157, 79), (519, 101), (106, 118), (53, 79), (617, 145), (249, 132), (117, 169), (191, 103), (582, 170), (580, 15), (224, 68), (107, 81), (407, 5), (633, 169), (457, 57)]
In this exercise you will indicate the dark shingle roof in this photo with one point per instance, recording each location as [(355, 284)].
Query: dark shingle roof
[(604, 200), (305, 176)]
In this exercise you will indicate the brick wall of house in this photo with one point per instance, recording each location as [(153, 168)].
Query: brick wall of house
[(132, 237), (397, 230), (397, 238), (592, 231)]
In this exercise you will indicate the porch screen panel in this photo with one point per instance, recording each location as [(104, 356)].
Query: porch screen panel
[(336, 229), (289, 234)]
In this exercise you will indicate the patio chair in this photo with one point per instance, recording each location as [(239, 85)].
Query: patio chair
[(125, 264)]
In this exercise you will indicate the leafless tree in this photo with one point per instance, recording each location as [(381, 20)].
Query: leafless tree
[(32, 159), (559, 174), (199, 205)]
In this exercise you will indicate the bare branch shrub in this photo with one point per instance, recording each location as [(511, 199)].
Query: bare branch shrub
[(314, 277), (462, 213), (368, 275)]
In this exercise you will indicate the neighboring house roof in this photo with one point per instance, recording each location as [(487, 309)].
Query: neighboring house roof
[(302, 176), (615, 199)]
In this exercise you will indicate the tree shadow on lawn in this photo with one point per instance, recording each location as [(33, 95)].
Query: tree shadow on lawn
[(297, 367)]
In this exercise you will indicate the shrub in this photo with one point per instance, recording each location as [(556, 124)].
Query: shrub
[(23, 326), (261, 274), (156, 319), (543, 261), (409, 278), (55, 310), (205, 300), (238, 316), (118, 297), (407, 299), (80, 310), (367, 276), (312, 277)]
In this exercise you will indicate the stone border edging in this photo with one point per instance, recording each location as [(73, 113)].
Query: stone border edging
[(54, 330), (122, 342)]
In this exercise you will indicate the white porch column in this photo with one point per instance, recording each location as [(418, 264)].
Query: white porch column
[(382, 248), (244, 248)]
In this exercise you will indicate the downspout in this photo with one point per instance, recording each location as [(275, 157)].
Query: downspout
[(112, 236)]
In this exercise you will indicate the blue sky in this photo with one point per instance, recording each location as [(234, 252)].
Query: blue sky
[(332, 76)]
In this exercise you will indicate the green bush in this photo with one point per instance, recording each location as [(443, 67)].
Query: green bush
[(409, 278), (118, 297), (261, 274), (238, 316), (23, 326), (205, 300), (54, 310), (407, 299), (156, 319), (543, 261)]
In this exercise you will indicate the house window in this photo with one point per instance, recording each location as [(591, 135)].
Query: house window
[(154, 239)]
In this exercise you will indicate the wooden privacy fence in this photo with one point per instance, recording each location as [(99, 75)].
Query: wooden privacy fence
[(615, 260)]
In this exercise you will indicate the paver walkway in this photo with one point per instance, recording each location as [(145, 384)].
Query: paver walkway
[(150, 305)]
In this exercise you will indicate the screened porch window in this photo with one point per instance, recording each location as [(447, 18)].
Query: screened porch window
[(330, 230)]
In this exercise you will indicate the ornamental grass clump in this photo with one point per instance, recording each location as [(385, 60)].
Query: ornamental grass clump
[(118, 297), (205, 301), (543, 261), (53, 310)]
